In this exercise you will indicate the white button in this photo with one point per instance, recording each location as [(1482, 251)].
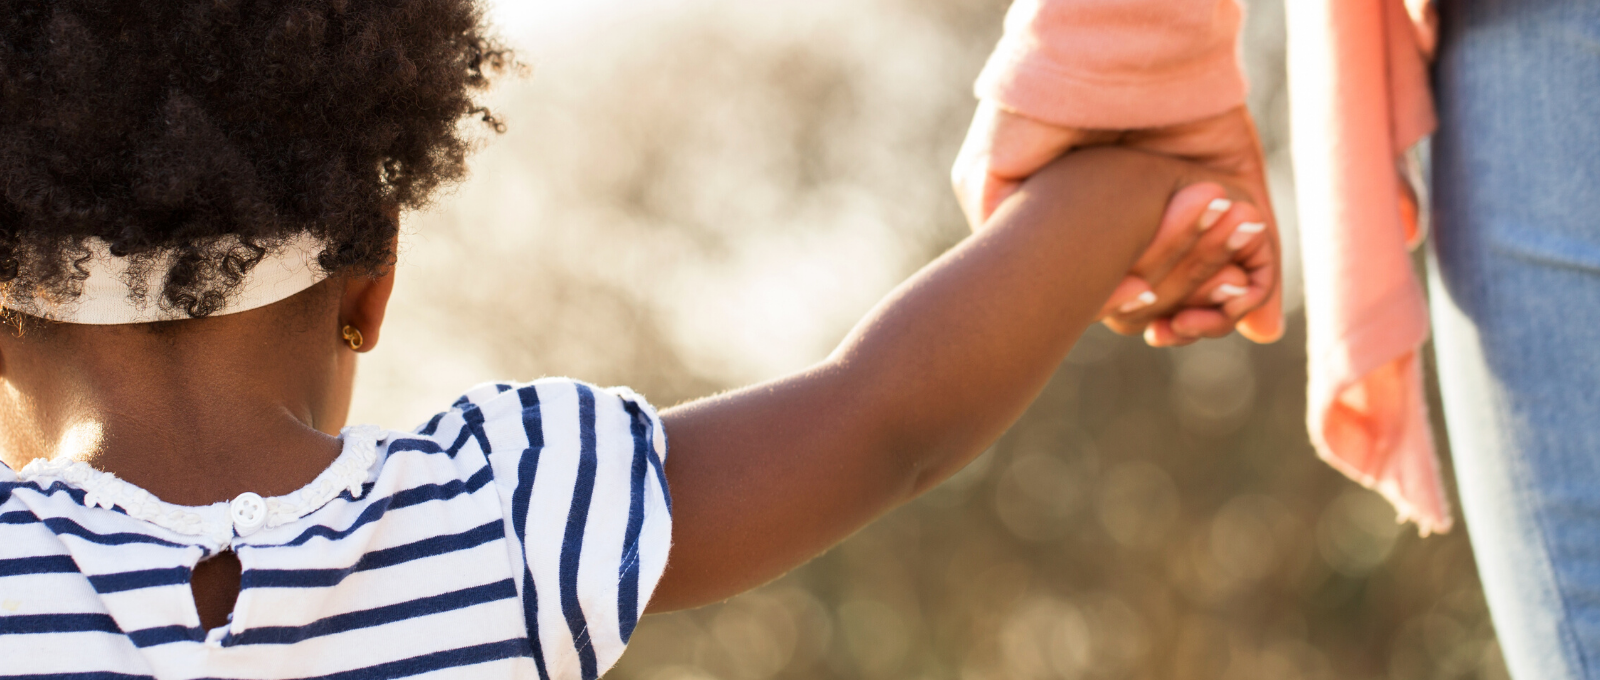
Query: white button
[(249, 512)]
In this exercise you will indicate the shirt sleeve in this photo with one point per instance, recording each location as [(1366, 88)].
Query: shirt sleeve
[(586, 499), (1117, 64)]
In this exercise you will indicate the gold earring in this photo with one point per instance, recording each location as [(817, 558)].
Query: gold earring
[(352, 336)]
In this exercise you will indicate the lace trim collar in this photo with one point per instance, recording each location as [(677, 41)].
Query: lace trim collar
[(103, 489)]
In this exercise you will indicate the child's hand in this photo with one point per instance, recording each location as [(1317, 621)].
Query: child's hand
[(1209, 265), (1003, 148)]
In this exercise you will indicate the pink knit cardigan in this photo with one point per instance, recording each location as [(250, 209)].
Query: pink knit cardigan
[(1359, 98)]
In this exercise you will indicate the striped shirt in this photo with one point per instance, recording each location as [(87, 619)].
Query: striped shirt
[(516, 535)]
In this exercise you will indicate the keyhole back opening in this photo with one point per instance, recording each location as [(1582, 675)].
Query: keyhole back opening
[(216, 588)]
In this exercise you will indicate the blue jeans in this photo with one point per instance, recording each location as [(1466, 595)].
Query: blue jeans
[(1516, 303)]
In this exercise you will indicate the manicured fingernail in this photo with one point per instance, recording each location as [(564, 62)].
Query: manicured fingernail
[(1227, 291), (1244, 233), (1145, 299), (1214, 211)]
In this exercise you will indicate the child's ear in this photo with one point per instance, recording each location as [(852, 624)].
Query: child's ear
[(365, 302), (366, 298)]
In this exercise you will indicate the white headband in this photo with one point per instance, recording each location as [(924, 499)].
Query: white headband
[(108, 299)]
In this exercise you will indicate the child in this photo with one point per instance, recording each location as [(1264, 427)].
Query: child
[(197, 231)]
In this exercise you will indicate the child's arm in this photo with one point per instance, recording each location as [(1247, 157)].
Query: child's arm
[(768, 476)]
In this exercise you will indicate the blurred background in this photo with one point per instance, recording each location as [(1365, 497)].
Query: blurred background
[(697, 194)]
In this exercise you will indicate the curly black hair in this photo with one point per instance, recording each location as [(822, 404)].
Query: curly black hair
[(204, 133)]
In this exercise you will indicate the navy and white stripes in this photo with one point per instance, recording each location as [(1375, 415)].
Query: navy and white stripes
[(518, 534)]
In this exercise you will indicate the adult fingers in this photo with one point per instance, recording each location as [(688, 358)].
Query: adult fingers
[(1204, 322), (1265, 323), (1160, 334), (1188, 326), (1228, 143), (1236, 233), (1123, 327), (1216, 307), (1258, 312), (1190, 212), (1226, 285), (1183, 327), (1228, 274), (1132, 294), (1204, 314)]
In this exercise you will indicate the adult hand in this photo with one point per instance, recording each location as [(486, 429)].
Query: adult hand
[(1003, 148)]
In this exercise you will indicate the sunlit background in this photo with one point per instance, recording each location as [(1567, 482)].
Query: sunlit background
[(696, 194)]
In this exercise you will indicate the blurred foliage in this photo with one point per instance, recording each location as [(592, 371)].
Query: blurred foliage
[(711, 192)]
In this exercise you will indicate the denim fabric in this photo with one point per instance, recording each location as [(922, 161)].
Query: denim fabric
[(1516, 303)]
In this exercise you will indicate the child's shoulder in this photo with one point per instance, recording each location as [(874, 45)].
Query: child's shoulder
[(547, 412), (583, 494)]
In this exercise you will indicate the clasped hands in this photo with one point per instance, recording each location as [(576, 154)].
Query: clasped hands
[(1214, 264)]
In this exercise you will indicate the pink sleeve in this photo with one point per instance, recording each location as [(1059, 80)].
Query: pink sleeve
[(1117, 63), (1366, 101)]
